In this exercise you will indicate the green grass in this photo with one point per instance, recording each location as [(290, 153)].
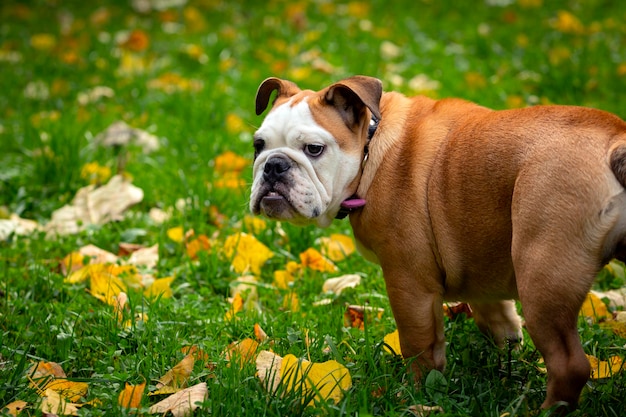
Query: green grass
[(497, 55)]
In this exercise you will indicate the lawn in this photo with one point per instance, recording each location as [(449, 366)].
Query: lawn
[(167, 286)]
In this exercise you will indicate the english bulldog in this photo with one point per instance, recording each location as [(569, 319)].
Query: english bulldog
[(455, 201)]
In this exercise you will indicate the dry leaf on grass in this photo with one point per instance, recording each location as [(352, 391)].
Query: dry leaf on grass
[(145, 257), (183, 402), (176, 378), (328, 380), (594, 308), (355, 316), (605, 369), (338, 284), (131, 395), (392, 343), (243, 351), (94, 205), (50, 376), (337, 247), (15, 407), (54, 403), (314, 260), (121, 134)]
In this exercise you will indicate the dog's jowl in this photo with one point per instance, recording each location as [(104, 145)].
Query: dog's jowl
[(455, 202)]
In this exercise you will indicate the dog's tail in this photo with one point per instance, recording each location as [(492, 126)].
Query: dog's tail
[(617, 159)]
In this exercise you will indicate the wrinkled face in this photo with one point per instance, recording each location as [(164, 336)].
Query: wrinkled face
[(306, 163)]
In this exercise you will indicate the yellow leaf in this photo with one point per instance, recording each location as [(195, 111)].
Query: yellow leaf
[(177, 377), (566, 22), (70, 390), (282, 279), (328, 379), (594, 308), (243, 351), (392, 343), (131, 395), (236, 306), (246, 252), (312, 259), (176, 234), (160, 288), (291, 302), (337, 247), (15, 407), (605, 369), (104, 284)]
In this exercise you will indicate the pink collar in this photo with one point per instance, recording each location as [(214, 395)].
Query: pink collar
[(349, 205)]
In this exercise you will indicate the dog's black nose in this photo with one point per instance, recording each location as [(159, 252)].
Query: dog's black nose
[(275, 167)]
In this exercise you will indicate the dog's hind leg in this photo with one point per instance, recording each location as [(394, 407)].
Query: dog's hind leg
[(552, 291)]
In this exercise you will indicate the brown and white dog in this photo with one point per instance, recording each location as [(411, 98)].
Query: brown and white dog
[(455, 202)]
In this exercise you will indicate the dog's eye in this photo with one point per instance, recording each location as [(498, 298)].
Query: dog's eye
[(314, 150), (259, 144)]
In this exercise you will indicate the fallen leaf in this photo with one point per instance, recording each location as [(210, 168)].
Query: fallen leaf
[(392, 343), (126, 248), (291, 302), (198, 354), (594, 308), (328, 379), (314, 260), (338, 284), (160, 288), (70, 390), (420, 410), (121, 134), (268, 366), (96, 255), (46, 369), (199, 244), (94, 205), (236, 305), (18, 226), (259, 333), (183, 402), (54, 403), (355, 316), (145, 257), (247, 254), (177, 234), (616, 298), (337, 247), (131, 395), (243, 351), (605, 369), (177, 377), (15, 407)]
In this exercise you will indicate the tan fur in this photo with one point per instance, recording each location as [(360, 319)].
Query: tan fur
[(467, 203)]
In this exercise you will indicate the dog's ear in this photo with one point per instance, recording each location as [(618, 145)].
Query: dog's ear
[(352, 95), (285, 89)]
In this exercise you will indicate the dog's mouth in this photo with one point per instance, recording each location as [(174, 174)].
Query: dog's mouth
[(275, 205)]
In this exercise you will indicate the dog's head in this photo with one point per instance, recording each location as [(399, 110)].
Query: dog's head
[(310, 147)]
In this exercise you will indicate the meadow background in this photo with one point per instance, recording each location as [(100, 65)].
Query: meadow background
[(183, 75)]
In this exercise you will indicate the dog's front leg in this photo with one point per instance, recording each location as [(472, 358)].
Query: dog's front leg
[(419, 316)]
